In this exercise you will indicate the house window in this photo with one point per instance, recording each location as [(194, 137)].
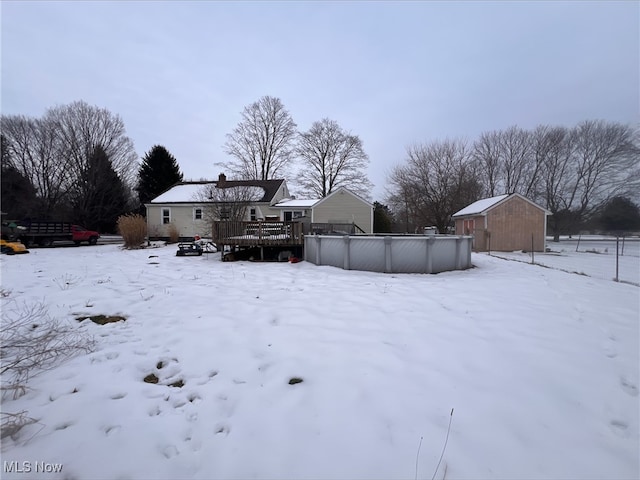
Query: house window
[(166, 216), (197, 213), (288, 216), (252, 212)]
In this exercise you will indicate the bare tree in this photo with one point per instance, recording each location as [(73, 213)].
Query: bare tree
[(54, 152), (507, 161), (585, 167), (486, 152), (262, 143), (34, 150), (82, 127), (516, 160), (437, 180), (332, 158)]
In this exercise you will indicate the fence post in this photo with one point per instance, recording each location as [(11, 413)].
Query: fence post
[(347, 253), (318, 245), (387, 255), (617, 252), (533, 255), (429, 263)]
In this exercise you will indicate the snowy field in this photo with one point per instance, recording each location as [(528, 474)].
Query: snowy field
[(540, 367), (592, 256)]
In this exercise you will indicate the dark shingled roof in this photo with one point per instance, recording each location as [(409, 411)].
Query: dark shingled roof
[(270, 187)]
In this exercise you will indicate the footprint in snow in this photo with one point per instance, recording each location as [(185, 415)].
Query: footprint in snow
[(63, 426), (628, 386), (111, 430), (170, 451), (222, 429), (610, 348), (192, 416), (619, 427), (154, 411)]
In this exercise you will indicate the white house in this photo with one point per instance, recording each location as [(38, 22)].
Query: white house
[(339, 207), (185, 204)]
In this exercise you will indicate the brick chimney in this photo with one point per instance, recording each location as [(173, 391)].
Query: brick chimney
[(222, 178)]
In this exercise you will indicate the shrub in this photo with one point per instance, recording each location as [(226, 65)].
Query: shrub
[(30, 343), (174, 235), (133, 229)]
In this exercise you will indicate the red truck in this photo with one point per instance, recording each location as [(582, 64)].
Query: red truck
[(45, 233)]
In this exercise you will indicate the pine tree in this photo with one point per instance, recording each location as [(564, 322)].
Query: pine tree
[(158, 172), (18, 196), (102, 194), (620, 215)]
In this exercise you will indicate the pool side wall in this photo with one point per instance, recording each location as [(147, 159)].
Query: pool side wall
[(389, 254)]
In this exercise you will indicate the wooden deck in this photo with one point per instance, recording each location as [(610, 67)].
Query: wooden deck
[(257, 234)]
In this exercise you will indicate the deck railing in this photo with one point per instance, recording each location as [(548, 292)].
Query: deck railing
[(257, 233)]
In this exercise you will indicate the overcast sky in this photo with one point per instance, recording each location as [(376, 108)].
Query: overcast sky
[(394, 73)]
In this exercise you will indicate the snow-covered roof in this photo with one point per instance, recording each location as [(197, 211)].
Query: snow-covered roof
[(186, 192), (296, 203), (480, 206)]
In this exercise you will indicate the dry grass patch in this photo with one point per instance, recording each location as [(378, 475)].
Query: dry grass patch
[(133, 229)]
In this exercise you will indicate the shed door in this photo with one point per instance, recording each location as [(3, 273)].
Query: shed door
[(468, 226)]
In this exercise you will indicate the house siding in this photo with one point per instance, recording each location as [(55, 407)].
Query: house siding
[(480, 234), (512, 224), (188, 227), (343, 207), (181, 217), (509, 227)]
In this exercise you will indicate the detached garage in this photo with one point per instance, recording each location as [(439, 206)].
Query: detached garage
[(504, 223)]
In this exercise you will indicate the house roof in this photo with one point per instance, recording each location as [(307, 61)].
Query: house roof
[(300, 203), (481, 206), (194, 192), (296, 203), (344, 190), (184, 192)]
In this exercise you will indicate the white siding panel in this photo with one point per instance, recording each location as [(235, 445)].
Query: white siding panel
[(344, 208)]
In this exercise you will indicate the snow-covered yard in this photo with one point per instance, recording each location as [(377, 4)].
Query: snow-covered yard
[(540, 367), (592, 256)]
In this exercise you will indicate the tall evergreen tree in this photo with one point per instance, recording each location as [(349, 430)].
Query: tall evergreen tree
[(382, 218), (102, 195), (620, 214), (18, 197), (159, 170)]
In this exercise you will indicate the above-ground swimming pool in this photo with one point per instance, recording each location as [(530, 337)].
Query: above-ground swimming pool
[(389, 253)]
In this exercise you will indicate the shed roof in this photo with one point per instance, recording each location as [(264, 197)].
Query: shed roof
[(481, 206)]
